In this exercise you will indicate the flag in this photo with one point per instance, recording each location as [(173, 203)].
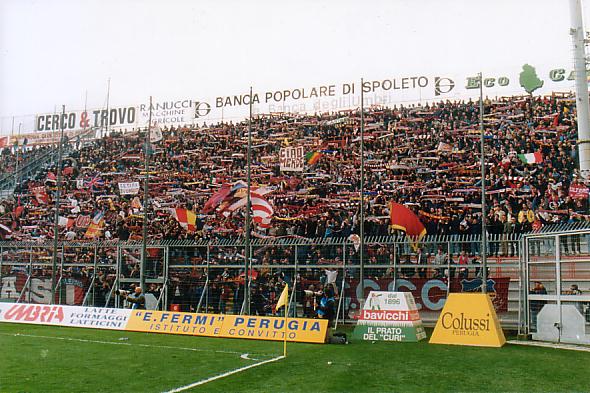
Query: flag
[(404, 219), (3, 141), (95, 227), (68, 171), (65, 222), (284, 298), (531, 158), (186, 218), (262, 211), (40, 194), (155, 133), (18, 210), (96, 181), (313, 157), (74, 292), (216, 198), (51, 178), (98, 217)]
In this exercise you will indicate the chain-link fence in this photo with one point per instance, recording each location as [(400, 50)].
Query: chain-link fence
[(215, 276)]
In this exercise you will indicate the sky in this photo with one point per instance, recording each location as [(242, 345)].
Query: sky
[(63, 52)]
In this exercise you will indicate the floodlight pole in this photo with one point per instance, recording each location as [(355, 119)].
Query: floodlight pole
[(484, 239), (57, 202), (362, 205), (146, 196), (106, 126), (247, 253), (583, 120)]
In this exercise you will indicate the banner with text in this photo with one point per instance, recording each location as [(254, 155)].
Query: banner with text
[(131, 188), (292, 159), (71, 316)]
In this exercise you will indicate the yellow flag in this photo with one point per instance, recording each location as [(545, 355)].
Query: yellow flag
[(283, 298)]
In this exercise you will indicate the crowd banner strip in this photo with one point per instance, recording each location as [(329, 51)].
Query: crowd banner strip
[(131, 188), (291, 159), (390, 316), (468, 319), (195, 324)]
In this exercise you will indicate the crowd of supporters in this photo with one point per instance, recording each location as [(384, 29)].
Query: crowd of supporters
[(423, 156), (426, 157)]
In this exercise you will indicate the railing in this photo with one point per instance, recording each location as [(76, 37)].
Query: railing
[(209, 275), (32, 167)]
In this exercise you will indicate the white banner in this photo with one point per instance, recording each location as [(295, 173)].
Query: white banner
[(155, 134), (292, 159), (129, 188), (72, 316)]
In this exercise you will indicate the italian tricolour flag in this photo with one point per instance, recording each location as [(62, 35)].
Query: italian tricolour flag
[(531, 158)]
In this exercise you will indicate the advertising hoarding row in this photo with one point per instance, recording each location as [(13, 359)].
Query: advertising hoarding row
[(170, 322)]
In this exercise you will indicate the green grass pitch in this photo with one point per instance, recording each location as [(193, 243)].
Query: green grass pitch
[(57, 359)]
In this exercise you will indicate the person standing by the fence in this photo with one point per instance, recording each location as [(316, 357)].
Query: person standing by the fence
[(537, 305), (421, 260)]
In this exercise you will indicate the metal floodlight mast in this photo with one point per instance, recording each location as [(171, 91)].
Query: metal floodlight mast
[(362, 205), (247, 240), (146, 196), (484, 239), (578, 35), (57, 202)]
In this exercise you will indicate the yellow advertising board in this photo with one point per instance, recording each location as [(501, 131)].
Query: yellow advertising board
[(230, 326), (468, 319), (172, 322), (273, 328)]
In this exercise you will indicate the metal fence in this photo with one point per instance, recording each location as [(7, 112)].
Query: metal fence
[(214, 276), (556, 287)]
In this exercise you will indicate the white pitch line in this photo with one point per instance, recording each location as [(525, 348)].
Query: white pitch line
[(126, 344), (569, 347), (228, 373)]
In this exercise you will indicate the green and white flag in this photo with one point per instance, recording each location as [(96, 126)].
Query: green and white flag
[(531, 158)]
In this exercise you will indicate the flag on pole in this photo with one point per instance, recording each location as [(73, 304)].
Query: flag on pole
[(531, 158), (404, 219), (284, 298), (283, 301)]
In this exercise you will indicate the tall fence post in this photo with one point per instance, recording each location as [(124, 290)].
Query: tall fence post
[(61, 274), (1, 263), (165, 273), (296, 280), (95, 274), (448, 267), (31, 276), (119, 262)]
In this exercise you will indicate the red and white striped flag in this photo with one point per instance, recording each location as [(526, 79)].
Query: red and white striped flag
[(262, 211)]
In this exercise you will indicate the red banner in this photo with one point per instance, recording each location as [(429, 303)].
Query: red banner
[(430, 294), (578, 192)]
